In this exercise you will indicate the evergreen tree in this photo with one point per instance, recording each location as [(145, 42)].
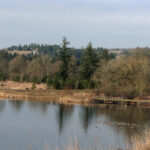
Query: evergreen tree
[(72, 67), (89, 62), (105, 54), (64, 57)]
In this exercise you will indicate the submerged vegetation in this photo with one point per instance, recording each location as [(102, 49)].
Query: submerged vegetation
[(62, 67)]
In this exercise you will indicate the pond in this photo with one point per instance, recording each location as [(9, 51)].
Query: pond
[(26, 125)]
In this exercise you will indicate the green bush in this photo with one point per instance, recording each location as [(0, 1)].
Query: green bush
[(89, 84), (69, 84), (84, 84), (57, 83), (16, 78), (49, 83), (26, 78), (2, 77), (33, 86), (35, 79), (78, 84)]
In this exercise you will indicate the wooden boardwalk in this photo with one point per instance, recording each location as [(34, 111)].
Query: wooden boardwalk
[(120, 101)]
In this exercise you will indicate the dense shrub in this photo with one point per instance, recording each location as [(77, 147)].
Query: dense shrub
[(78, 84), (58, 83), (26, 78), (127, 77), (69, 84), (49, 83), (55, 83), (2, 77), (17, 67), (33, 86), (16, 78)]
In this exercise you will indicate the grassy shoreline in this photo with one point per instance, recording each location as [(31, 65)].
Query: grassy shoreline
[(24, 91), (59, 96), (70, 96)]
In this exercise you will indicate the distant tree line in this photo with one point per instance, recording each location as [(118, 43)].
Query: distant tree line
[(52, 50), (89, 68)]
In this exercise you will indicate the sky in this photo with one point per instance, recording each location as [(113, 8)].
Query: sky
[(106, 23)]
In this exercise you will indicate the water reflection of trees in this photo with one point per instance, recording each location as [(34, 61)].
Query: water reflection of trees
[(2, 105), (132, 115), (113, 113), (16, 104), (64, 113), (117, 114), (86, 115), (42, 107)]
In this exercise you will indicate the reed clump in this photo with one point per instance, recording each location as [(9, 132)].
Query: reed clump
[(142, 143)]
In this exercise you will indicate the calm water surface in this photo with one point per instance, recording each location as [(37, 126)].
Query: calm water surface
[(34, 125)]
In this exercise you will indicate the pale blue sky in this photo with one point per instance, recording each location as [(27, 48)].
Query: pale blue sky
[(107, 23)]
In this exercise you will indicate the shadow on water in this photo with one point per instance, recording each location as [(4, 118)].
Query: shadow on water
[(2, 106), (64, 113), (42, 107), (16, 105), (86, 116)]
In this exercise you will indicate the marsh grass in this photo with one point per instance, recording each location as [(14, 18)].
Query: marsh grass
[(72, 146), (142, 143), (139, 143)]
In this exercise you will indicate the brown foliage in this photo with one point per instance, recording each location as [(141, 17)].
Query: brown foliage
[(128, 77)]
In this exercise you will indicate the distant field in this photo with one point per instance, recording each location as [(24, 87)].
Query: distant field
[(20, 52), (118, 52)]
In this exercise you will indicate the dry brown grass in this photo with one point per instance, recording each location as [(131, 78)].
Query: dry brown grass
[(139, 143), (72, 146), (142, 143), (24, 91), (11, 85)]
